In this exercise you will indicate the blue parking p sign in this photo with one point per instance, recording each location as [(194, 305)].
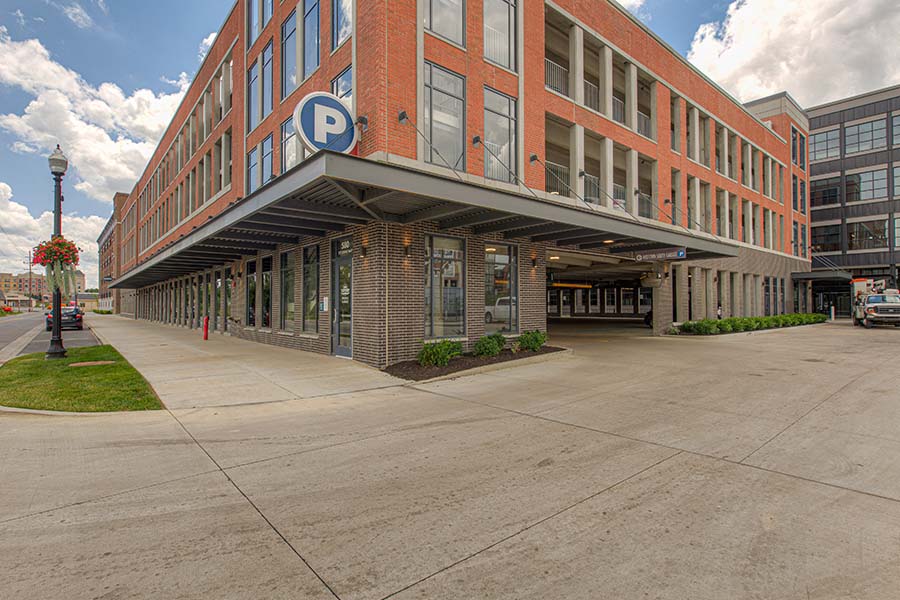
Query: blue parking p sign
[(322, 121)]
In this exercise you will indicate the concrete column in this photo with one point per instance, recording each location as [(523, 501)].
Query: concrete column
[(606, 81), (726, 149), (748, 296), (694, 124), (576, 158), (695, 203), (758, 293), (726, 216), (747, 155), (654, 88), (680, 289), (631, 93), (662, 305), (576, 64), (677, 120), (198, 301), (711, 304), (606, 171), (631, 180), (698, 291), (749, 222), (725, 284)]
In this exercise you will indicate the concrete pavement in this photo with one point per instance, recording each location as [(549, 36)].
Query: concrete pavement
[(749, 466)]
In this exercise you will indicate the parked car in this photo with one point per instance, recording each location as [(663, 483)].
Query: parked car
[(880, 309), (72, 317), (498, 312)]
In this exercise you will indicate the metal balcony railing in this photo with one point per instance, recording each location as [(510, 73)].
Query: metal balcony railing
[(592, 191), (496, 46), (619, 196), (643, 123), (556, 77), (591, 95), (618, 110), (494, 168), (558, 181), (646, 206)]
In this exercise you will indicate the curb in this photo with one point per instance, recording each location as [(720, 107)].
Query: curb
[(62, 413), (496, 367)]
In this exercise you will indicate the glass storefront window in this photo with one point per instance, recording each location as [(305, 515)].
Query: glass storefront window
[(501, 287), (251, 293), (266, 282), (867, 235), (311, 289), (609, 301), (445, 293), (645, 300), (286, 272), (627, 300)]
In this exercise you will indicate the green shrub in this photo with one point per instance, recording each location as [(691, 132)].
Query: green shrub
[(725, 326), (707, 327), (532, 340), (499, 338), (488, 345), (738, 324), (100, 311), (438, 354)]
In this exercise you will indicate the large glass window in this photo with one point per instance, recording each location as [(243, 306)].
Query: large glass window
[(794, 136), (311, 289), (445, 292), (867, 235), (267, 6), (896, 183), (342, 86), (310, 37), (267, 173), (444, 119), (795, 196), (252, 171), (291, 150), (266, 282), (286, 285), (802, 156), (803, 244), (796, 239), (501, 288), (627, 305), (447, 19), (897, 130), (253, 96), (500, 32), (251, 293), (826, 238), (499, 136), (253, 19), (865, 136), (803, 196), (342, 21), (825, 192), (825, 145), (897, 232), (267, 80), (870, 185), (289, 55)]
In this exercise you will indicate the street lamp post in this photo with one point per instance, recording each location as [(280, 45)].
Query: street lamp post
[(58, 165)]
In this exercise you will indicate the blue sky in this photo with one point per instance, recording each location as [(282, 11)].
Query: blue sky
[(103, 77)]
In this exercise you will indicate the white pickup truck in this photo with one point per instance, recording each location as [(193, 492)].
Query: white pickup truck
[(878, 309)]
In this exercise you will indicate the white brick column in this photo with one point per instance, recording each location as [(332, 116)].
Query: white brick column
[(631, 93), (576, 158), (695, 133), (576, 64), (631, 180), (606, 172), (606, 81)]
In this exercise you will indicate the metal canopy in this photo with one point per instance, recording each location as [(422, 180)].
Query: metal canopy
[(835, 276), (329, 192)]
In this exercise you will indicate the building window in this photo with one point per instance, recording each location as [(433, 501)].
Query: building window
[(267, 7), (897, 232), (252, 171), (289, 55), (867, 235), (500, 32), (870, 185), (500, 158), (342, 87), (501, 288), (444, 120), (896, 183), (291, 150), (310, 37), (802, 157), (825, 192), (445, 292), (896, 130), (267, 160), (865, 136), (342, 21), (251, 293), (826, 239), (266, 282), (286, 274), (253, 19), (803, 245), (267, 80), (803, 196), (627, 305), (794, 135), (794, 192), (311, 289), (447, 19), (253, 96), (825, 145), (796, 239)]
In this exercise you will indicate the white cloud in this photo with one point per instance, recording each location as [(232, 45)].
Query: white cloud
[(101, 4), (108, 135), (632, 5), (20, 16), (76, 13), (205, 45), (20, 232), (817, 50)]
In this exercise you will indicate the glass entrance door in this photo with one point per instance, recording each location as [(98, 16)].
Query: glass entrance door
[(342, 297)]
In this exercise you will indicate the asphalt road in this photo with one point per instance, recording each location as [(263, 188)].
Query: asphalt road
[(13, 327)]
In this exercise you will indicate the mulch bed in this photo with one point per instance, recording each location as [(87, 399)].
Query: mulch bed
[(413, 371)]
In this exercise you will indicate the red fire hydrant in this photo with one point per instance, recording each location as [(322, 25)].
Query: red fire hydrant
[(206, 328)]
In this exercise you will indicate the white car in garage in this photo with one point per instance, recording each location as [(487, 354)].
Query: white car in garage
[(498, 312)]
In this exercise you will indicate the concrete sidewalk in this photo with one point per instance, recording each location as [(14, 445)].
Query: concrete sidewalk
[(188, 372)]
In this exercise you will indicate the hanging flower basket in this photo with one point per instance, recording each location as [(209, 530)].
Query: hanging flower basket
[(60, 257)]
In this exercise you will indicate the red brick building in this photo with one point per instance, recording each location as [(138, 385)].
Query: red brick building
[(585, 168)]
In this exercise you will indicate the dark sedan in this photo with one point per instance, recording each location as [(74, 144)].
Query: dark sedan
[(72, 317)]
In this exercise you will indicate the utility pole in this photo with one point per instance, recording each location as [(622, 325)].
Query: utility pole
[(30, 289)]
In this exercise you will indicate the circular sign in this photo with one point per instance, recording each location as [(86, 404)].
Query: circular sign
[(322, 121)]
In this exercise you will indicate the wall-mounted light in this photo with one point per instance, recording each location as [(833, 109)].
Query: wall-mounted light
[(406, 250), (554, 257), (534, 261), (609, 241), (490, 249), (363, 122), (365, 251)]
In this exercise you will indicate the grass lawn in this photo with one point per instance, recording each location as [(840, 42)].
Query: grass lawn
[(31, 381)]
